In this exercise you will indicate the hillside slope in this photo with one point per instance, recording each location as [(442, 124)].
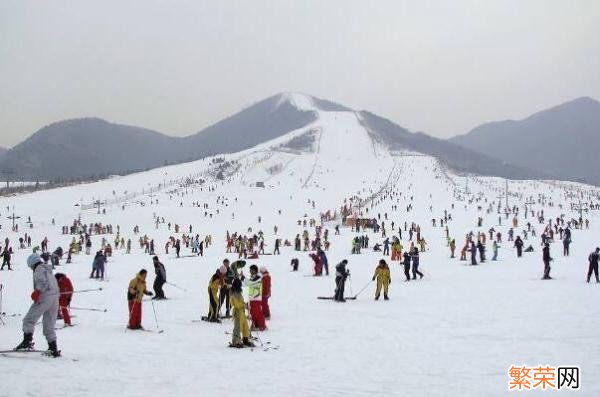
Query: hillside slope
[(562, 141)]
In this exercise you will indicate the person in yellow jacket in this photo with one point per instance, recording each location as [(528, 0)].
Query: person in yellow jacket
[(384, 279), (135, 294), (241, 332), (422, 244), (214, 285)]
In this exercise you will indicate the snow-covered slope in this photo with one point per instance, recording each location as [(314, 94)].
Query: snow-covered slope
[(456, 331)]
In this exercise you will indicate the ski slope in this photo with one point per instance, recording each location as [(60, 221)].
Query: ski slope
[(455, 332)]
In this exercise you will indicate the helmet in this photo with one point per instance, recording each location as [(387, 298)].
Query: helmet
[(262, 269), (222, 269), (33, 260)]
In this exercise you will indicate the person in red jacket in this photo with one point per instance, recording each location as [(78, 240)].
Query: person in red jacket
[(266, 292), (318, 264), (65, 288)]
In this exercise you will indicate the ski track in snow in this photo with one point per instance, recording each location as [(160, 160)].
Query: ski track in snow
[(456, 332)]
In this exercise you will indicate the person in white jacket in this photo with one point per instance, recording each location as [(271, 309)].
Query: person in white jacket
[(45, 304)]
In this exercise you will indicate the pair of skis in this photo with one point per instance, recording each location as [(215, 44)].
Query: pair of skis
[(266, 346), (44, 353), (351, 298)]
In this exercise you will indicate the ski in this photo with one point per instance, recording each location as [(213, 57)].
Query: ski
[(10, 315), (65, 326), (22, 351)]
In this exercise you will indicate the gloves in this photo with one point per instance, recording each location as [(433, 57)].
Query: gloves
[(149, 293), (373, 279), (36, 295)]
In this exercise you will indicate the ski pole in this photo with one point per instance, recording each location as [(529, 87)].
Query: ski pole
[(176, 286), (156, 318), (364, 288), (83, 290), (90, 309), (350, 285)]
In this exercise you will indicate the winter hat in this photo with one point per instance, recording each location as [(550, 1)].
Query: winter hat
[(263, 269), (33, 260), (222, 269)]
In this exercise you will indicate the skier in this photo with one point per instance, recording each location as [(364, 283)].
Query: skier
[(473, 251), (254, 285), (384, 279), (341, 274), (225, 291), (56, 256), (318, 268), (65, 288), (495, 250), (406, 263), (546, 258), (415, 263), (481, 249), (593, 268), (324, 261), (241, 333), (160, 279), (266, 291), (6, 254), (566, 243), (45, 304), (214, 285), (135, 294), (519, 246), (98, 266)]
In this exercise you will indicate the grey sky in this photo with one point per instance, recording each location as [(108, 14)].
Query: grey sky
[(177, 66)]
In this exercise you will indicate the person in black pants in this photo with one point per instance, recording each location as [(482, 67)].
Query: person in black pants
[(415, 263), (341, 274), (6, 258), (546, 258), (519, 246), (160, 279), (406, 263), (593, 258)]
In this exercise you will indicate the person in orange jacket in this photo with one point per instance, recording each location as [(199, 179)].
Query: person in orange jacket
[(266, 291), (135, 294), (65, 288)]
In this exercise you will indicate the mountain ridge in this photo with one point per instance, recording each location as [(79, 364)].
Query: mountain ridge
[(562, 140)]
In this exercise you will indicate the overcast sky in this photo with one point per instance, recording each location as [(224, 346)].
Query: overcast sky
[(441, 67)]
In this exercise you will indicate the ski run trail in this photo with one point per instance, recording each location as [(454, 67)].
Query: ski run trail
[(455, 332)]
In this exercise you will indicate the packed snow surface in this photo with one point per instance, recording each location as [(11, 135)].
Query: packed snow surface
[(455, 332)]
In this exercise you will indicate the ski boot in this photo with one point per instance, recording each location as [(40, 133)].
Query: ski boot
[(376, 297), (27, 342), (247, 342), (385, 297), (53, 349)]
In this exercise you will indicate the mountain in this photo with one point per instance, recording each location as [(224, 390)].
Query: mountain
[(2, 151), (562, 141), (455, 156), (91, 147)]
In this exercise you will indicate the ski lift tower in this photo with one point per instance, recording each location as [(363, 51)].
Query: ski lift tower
[(98, 203), (13, 218), (580, 207)]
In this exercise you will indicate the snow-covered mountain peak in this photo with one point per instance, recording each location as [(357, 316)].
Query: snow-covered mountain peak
[(300, 101)]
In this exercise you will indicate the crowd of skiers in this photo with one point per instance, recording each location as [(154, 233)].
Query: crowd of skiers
[(52, 294)]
